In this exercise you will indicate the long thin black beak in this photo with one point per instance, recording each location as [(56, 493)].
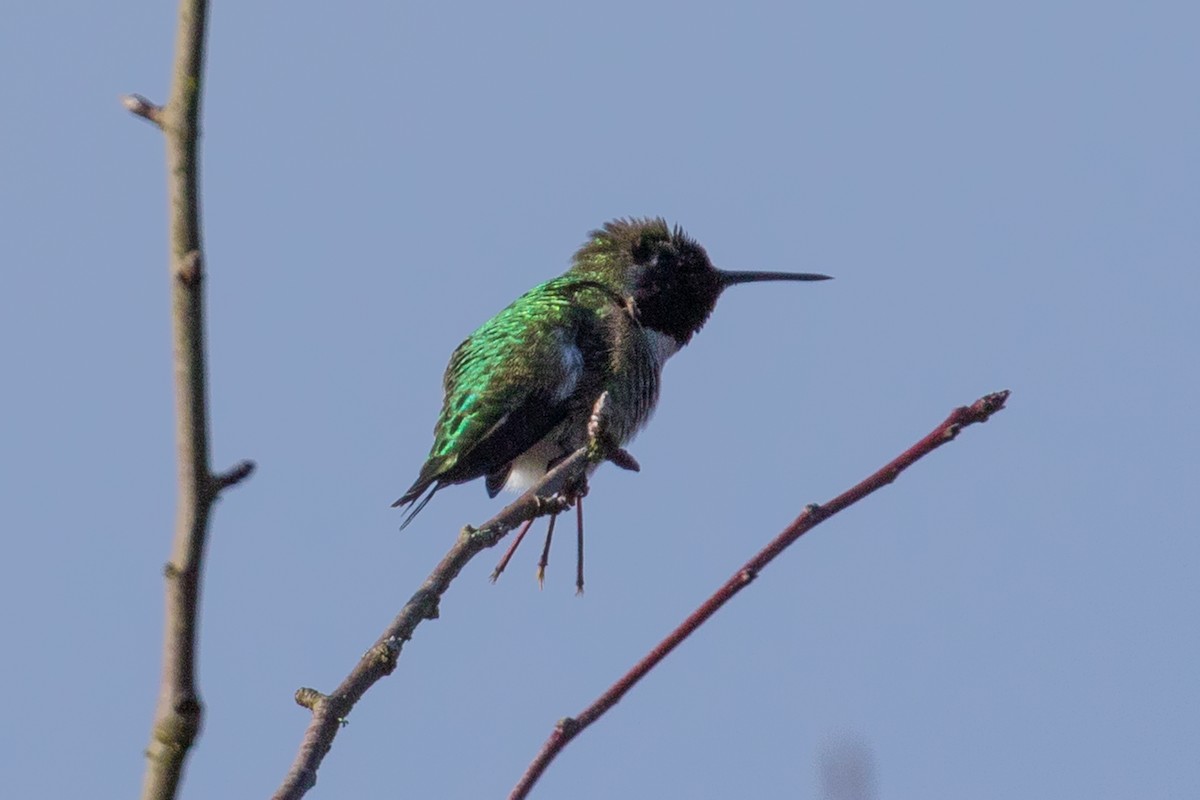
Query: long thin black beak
[(730, 278)]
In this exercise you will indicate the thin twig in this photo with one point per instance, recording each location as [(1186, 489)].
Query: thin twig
[(136, 104), (568, 728), (234, 475), (178, 716), (329, 711)]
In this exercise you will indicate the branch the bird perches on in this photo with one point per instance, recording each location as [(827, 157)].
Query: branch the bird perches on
[(548, 496)]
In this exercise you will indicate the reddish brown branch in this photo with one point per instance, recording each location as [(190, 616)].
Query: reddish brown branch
[(568, 728)]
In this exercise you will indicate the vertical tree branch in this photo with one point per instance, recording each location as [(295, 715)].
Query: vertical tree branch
[(179, 713)]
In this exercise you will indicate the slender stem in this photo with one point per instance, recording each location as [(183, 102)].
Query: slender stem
[(179, 713), (568, 728)]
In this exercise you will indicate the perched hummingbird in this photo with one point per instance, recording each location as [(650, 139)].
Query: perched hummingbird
[(520, 390)]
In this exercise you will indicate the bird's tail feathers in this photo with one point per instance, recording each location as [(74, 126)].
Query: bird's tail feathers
[(413, 498)]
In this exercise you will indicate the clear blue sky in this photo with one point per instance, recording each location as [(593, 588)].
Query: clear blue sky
[(1009, 196)]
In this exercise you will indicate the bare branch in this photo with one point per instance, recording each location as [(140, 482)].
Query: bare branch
[(569, 727), (179, 714), (329, 711)]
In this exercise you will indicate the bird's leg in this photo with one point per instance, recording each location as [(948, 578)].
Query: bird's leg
[(512, 548), (579, 546), (575, 495), (544, 561)]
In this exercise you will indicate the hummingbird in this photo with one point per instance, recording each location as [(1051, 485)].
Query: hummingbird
[(520, 390)]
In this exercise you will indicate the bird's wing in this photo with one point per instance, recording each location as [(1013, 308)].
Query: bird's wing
[(507, 386)]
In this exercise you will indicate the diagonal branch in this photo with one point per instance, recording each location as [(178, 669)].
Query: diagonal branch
[(568, 728), (179, 713), (329, 711)]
